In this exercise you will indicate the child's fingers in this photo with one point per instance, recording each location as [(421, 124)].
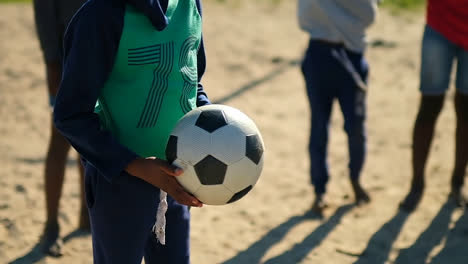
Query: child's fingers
[(168, 168), (172, 170), (182, 197)]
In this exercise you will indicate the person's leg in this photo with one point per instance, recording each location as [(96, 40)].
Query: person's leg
[(55, 164), (352, 101), (177, 247), (461, 139), (83, 222), (318, 143), (54, 171), (461, 149), (122, 216), (436, 64), (320, 97), (423, 132), (50, 31)]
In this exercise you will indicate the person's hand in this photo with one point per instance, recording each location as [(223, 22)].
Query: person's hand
[(161, 174)]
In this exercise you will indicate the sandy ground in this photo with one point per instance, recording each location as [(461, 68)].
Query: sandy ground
[(253, 50)]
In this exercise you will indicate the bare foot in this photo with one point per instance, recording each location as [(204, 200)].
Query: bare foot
[(413, 198), (84, 224), (51, 241), (360, 194), (456, 196), (319, 205)]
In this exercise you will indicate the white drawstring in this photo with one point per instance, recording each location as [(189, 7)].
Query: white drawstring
[(159, 228)]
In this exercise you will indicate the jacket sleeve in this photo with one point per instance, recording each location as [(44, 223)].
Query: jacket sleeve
[(90, 47), (202, 98)]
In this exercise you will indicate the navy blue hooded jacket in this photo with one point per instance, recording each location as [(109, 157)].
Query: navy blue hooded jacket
[(90, 47)]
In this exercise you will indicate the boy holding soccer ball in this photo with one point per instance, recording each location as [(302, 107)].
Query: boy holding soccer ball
[(334, 67), (132, 68)]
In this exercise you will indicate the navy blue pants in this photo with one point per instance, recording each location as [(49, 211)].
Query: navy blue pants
[(333, 72), (122, 215)]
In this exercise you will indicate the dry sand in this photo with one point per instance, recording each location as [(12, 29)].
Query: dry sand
[(253, 50)]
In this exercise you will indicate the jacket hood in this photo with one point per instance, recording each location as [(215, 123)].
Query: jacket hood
[(154, 10)]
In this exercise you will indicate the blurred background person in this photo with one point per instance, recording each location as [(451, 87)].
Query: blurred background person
[(445, 41), (52, 18), (334, 67)]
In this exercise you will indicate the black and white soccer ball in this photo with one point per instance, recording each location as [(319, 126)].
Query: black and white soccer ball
[(221, 151)]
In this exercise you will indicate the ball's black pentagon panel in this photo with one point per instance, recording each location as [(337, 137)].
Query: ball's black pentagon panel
[(240, 194), (171, 149), (254, 148), (210, 171), (211, 119)]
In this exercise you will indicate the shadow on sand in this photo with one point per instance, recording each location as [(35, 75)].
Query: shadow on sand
[(380, 244), (256, 251), (455, 250), (36, 254), (430, 238), (285, 65)]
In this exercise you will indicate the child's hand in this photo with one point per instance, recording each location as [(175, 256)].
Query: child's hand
[(160, 174)]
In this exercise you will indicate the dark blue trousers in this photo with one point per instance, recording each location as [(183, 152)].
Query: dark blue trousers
[(122, 215), (333, 72)]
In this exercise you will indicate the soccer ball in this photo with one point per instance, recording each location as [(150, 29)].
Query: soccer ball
[(221, 152)]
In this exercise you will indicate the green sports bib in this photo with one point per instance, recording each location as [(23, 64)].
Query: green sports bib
[(154, 79)]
